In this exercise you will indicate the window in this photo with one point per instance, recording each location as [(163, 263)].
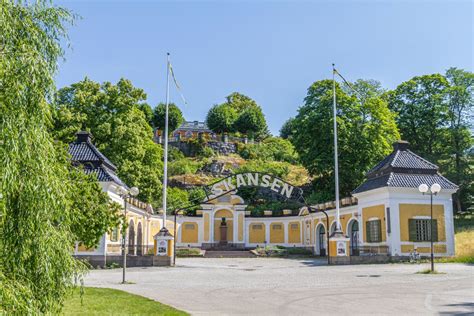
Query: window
[(257, 226), (374, 230), (294, 226), (114, 234), (420, 229), (189, 226), (277, 226)]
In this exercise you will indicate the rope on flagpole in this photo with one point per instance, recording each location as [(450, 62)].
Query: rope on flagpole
[(348, 83)]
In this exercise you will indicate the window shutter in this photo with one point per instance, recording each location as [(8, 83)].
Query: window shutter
[(379, 226), (367, 230), (435, 230), (412, 229)]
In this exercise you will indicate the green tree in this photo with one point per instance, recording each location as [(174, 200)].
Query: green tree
[(115, 117), (238, 114), (422, 110), (252, 122), (91, 208), (458, 165), (175, 117), (287, 130), (147, 111), (221, 118), (37, 270), (366, 131)]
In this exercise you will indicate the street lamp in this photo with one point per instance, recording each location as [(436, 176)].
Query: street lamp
[(176, 212), (433, 190), (125, 194)]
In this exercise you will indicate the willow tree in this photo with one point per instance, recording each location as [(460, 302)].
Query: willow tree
[(36, 266)]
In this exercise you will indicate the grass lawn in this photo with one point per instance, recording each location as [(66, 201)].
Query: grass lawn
[(100, 301)]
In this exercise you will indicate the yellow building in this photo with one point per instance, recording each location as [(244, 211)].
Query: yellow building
[(387, 215)]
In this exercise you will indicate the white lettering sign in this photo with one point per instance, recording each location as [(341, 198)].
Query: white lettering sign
[(253, 179)]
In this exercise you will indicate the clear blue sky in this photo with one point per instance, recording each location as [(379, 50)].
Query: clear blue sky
[(270, 51)]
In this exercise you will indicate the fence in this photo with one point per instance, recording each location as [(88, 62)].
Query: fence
[(132, 250)]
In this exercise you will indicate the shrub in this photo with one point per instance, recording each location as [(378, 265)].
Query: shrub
[(188, 252), (270, 149)]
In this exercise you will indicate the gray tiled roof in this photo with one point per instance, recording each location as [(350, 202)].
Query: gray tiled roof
[(403, 169), (84, 153), (402, 180)]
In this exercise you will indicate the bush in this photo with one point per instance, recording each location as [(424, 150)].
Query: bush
[(276, 168), (188, 252), (183, 166), (270, 149)]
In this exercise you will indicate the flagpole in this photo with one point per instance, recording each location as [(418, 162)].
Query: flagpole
[(336, 163), (165, 167)]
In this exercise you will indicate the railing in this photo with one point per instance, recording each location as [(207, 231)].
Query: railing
[(370, 250), (132, 250), (217, 138)]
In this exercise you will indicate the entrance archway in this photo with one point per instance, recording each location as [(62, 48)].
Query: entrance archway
[(321, 240), (131, 238), (139, 240), (220, 230), (353, 232)]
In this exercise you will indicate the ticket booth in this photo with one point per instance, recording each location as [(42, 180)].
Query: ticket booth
[(163, 247)]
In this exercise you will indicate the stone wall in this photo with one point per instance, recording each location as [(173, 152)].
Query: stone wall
[(132, 261), (190, 149)]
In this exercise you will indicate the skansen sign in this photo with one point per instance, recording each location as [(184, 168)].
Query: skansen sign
[(255, 179)]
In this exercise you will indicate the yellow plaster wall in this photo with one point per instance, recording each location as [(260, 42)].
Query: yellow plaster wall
[(154, 229), (277, 236), (294, 235), (217, 224), (408, 211), (189, 235), (257, 236), (241, 227), (206, 227), (437, 249), (377, 211)]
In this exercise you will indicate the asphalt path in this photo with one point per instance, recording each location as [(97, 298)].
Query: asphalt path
[(267, 286)]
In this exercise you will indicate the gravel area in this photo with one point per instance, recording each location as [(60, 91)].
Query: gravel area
[(267, 286)]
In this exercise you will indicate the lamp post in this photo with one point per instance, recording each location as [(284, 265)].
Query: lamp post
[(125, 194), (433, 190), (176, 212)]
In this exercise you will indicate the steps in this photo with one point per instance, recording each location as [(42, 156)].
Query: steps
[(228, 254)]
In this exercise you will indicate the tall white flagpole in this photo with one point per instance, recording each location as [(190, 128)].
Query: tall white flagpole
[(336, 163), (165, 167)]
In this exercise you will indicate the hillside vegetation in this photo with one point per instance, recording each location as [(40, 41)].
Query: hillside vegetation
[(273, 155)]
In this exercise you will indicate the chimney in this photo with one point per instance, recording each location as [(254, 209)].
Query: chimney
[(401, 145), (83, 137)]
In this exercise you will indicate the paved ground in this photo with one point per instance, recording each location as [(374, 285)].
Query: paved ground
[(260, 286)]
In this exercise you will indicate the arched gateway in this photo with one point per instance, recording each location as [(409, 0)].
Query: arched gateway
[(223, 220)]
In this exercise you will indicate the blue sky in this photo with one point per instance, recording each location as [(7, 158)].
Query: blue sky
[(270, 51)]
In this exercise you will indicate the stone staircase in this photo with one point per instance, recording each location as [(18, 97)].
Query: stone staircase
[(228, 254)]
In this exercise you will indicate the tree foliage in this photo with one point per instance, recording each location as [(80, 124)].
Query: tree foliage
[(252, 122), (221, 118), (114, 115), (287, 130), (366, 130), (270, 149), (420, 104), (175, 117), (238, 114), (434, 113), (36, 239), (91, 208)]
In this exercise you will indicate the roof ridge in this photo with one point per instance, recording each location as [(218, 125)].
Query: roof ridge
[(101, 156), (422, 159)]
